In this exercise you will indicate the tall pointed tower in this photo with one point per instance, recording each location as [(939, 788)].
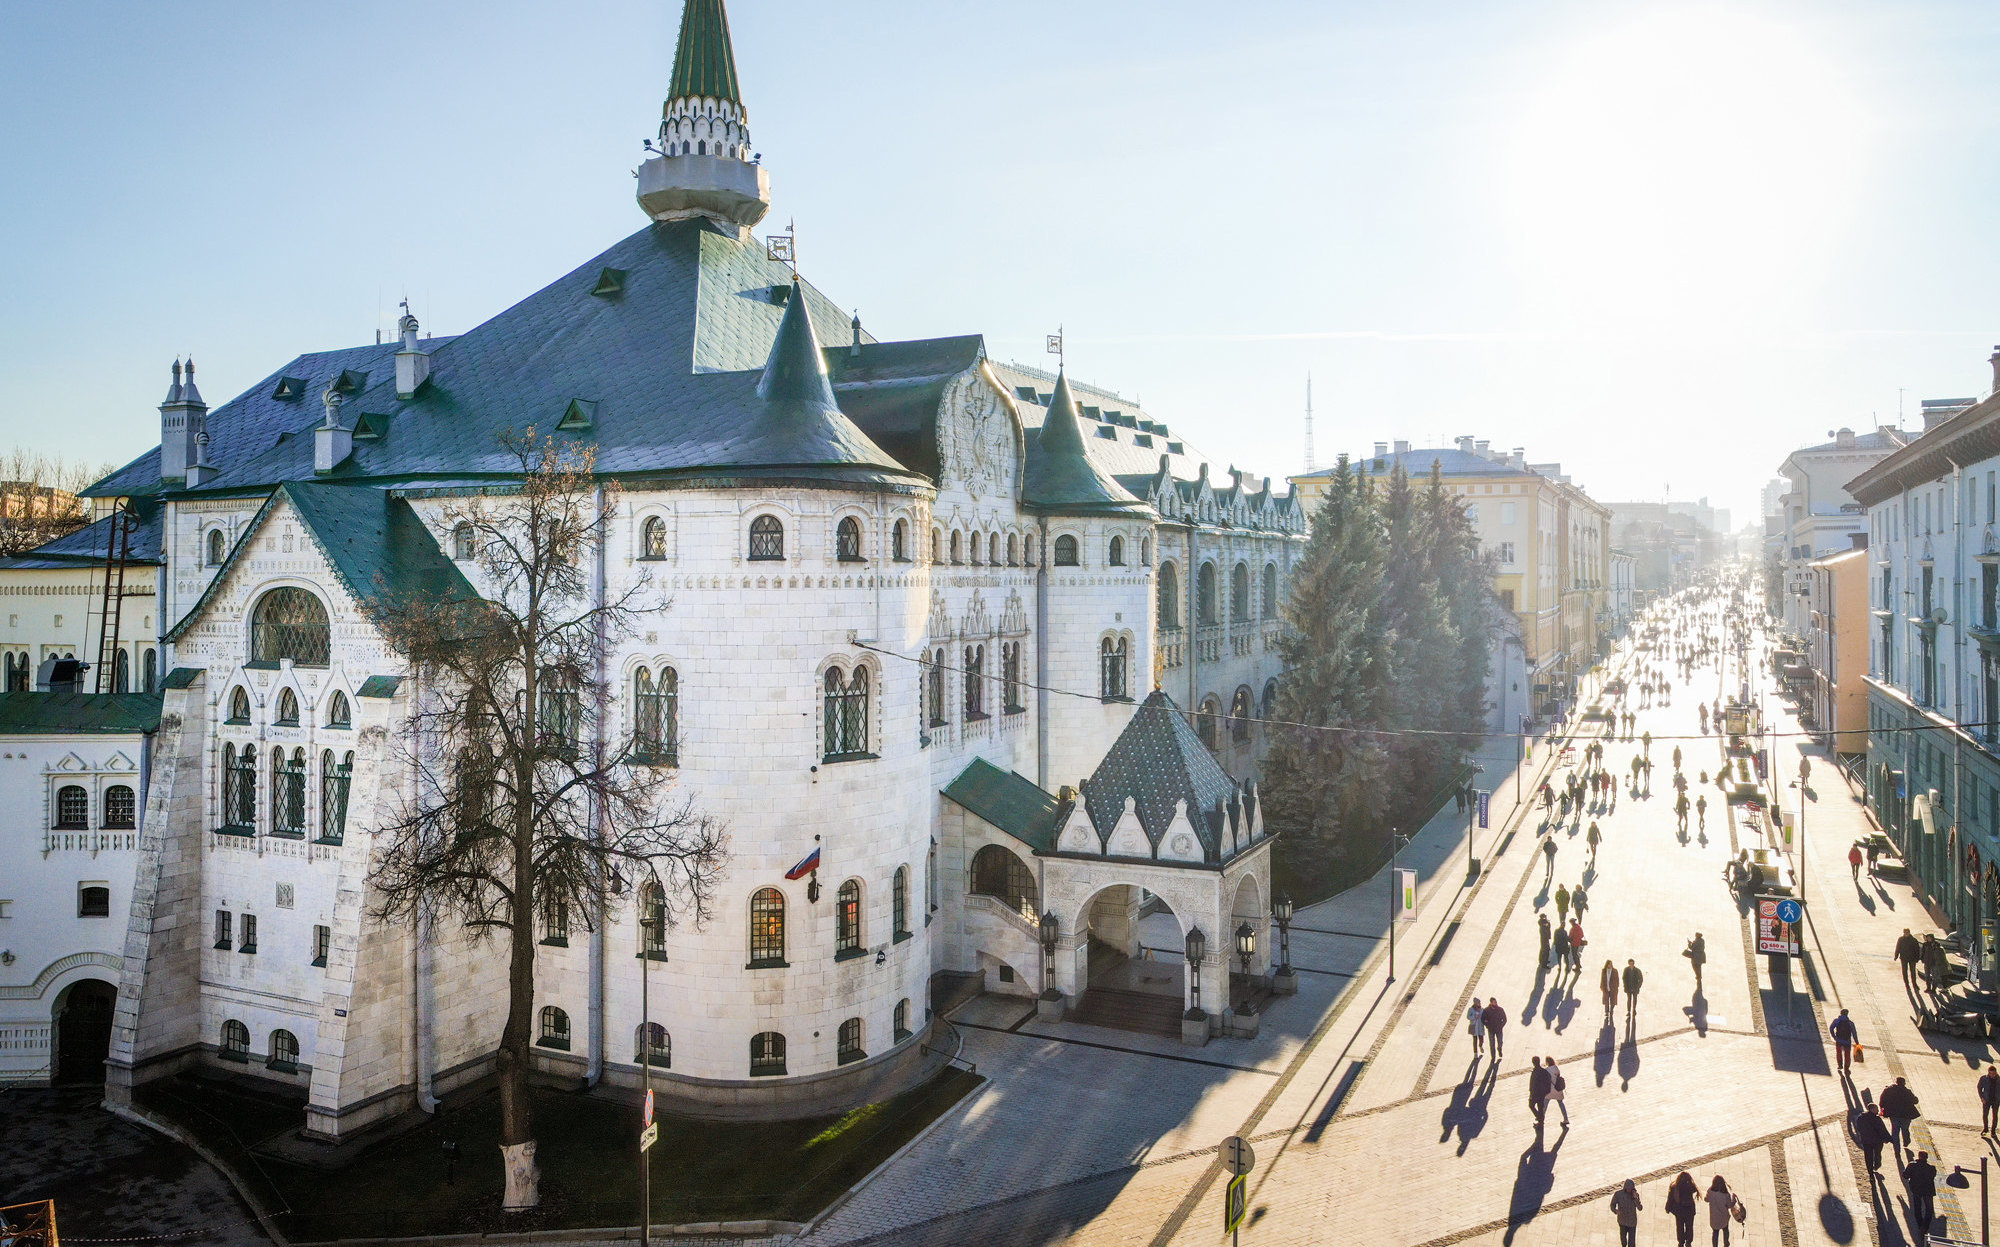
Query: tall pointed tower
[(704, 166)]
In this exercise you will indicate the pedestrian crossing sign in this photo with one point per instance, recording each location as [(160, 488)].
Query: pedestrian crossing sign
[(1235, 1201)]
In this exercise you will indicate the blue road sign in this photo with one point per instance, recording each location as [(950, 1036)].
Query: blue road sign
[(1790, 911), (1485, 807)]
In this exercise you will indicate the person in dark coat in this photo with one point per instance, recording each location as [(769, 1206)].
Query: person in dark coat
[(1607, 983), (1989, 1101), (1543, 922), (1683, 1199), (1842, 1031), (1538, 1090), (1549, 856), (1899, 1107), (1633, 980), (1920, 1180), (1625, 1206), (1495, 1018), (1872, 1133), (1908, 951), (1697, 955), (1934, 964)]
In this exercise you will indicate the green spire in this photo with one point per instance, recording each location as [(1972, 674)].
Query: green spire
[(796, 371), (704, 65), (1060, 476)]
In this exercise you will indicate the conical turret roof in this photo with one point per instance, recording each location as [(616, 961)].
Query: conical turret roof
[(798, 423), (704, 64), (1060, 475)]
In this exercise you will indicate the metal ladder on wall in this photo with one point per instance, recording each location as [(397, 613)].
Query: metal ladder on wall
[(117, 549)]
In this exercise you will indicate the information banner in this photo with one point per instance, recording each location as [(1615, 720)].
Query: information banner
[(1406, 895), (1774, 934), (1485, 808)]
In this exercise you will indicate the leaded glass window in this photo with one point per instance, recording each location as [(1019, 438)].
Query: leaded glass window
[(846, 714), (847, 918), (290, 623), (767, 538), (767, 927), (656, 715)]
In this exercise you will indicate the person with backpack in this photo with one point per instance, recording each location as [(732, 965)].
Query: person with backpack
[(1625, 1206), (1899, 1108), (1495, 1019), (1722, 1209)]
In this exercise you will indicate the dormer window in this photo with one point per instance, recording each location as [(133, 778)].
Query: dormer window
[(289, 389)]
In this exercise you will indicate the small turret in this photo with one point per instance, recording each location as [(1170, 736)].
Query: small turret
[(333, 443), (413, 363), (182, 418), (701, 164)]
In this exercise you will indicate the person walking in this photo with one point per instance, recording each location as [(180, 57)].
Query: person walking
[(1625, 1206), (1576, 943), (1701, 806), (1920, 1181), (1697, 955), (1681, 812), (1934, 964), (1559, 945), (1872, 1133), (1607, 983), (1562, 903), (1542, 920), (1475, 1025), (1677, 757), (1495, 1019), (1841, 1030), (1633, 980), (1899, 1108), (1854, 862), (1592, 838), (1538, 1091), (1908, 952), (1721, 1205), (1557, 1085), (1989, 1101), (1647, 741), (1682, 1197), (1549, 858), (1874, 852)]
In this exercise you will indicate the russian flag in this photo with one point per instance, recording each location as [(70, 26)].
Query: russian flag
[(807, 864)]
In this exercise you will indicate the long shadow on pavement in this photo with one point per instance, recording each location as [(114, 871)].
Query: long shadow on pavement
[(1533, 1180)]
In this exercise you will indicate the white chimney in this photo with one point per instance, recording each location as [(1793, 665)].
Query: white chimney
[(413, 365), (1381, 449), (1994, 359), (183, 416), (1844, 437), (1402, 448), (332, 444)]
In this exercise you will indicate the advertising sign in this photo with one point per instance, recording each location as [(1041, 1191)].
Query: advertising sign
[(1774, 934), (1406, 895)]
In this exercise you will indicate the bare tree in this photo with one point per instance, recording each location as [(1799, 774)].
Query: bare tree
[(38, 498), (525, 810)]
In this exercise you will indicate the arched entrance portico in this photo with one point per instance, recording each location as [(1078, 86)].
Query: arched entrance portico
[(1123, 963), (81, 1030)]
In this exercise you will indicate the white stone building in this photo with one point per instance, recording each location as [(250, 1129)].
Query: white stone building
[(1820, 516), (898, 571)]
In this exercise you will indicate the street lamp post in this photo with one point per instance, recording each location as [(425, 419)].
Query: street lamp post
[(1284, 982), (1197, 948), (1396, 842), (646, 923), (1958, 1180), (1246, 949), (1050, 1005), (1472, 820), (1805, 773)]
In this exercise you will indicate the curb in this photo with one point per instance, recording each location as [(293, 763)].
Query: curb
[(140, 1117), (615, 1233)]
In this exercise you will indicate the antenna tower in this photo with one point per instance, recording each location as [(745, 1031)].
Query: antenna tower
[(1310, 465)]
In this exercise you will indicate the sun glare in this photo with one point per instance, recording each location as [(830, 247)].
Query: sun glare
[(1690, 169)]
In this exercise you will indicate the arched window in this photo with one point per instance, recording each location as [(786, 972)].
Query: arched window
[(656, 716), (555, 1028), (1145, 551), (334, 782), (463, 544), (1204, 593), (1270, 590), (767, 1054), (239, 705), (1240, 712), (1004, 877), (218, 546), (338, 714), (899, 542), (284, 1055), (653, 920), (650, 1046), (653, 538), (1270, 702), (975, 682), (901, 1025), (767, 538), (849, 1048), (1170, 596), (1116, 556), (235, 1041), (15, 680), (1239, 593), (1028, 551), (847, 540), (1113, 663), (290, 623), (559, 728), (972, 554), (121, 808), (1010, 677), (121, 672), (1066, 551), (956, 547), (899, 902), (846, 714), (937, 545), (767, 927), (935, 694), (239, 788), (72, 808), (1013, 550), (149, 672), (847, 918), (1209, 724), (288, 708), (993, 549), (288, 793)]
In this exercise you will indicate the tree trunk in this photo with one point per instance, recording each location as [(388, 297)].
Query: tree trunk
[(517, 1112)]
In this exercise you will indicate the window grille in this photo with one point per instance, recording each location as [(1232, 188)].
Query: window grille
[(653, 538), (767, 538), (284, 1052), (1113, 660), (846, 714), (555, 1028), (288, 793), (847, 540), (1001, 875), (1117, 554), (72, 808), (290, 623), (899, 900), (338, 714), (767, 927), (334, 782), (767, 1054), (121, 808), (93, 900), (651, 1046), (463, 545), (235, 1041), (850, 1042), (847, 918), (656, 716), (239, 799), (1066, 551)]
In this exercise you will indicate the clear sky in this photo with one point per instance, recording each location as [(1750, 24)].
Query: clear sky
[(1661, 243)]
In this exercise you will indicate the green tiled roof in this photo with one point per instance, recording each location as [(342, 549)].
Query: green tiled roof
[(28, 714), (1157, 763), (1009, 801), (1061, 477), (379, 686), (704, 64), (181, 677)]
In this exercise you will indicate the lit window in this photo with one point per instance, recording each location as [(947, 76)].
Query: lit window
[(847, 918), (767, 927), (653, 538)]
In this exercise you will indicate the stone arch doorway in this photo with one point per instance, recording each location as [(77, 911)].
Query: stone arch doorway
[(81, 1021), (1130, 966)]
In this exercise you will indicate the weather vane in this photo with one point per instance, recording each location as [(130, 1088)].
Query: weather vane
[(784, 248), (1056, 345)]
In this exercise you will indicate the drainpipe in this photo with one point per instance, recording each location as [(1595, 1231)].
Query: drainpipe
[(1042, 654), (595, 1069)]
